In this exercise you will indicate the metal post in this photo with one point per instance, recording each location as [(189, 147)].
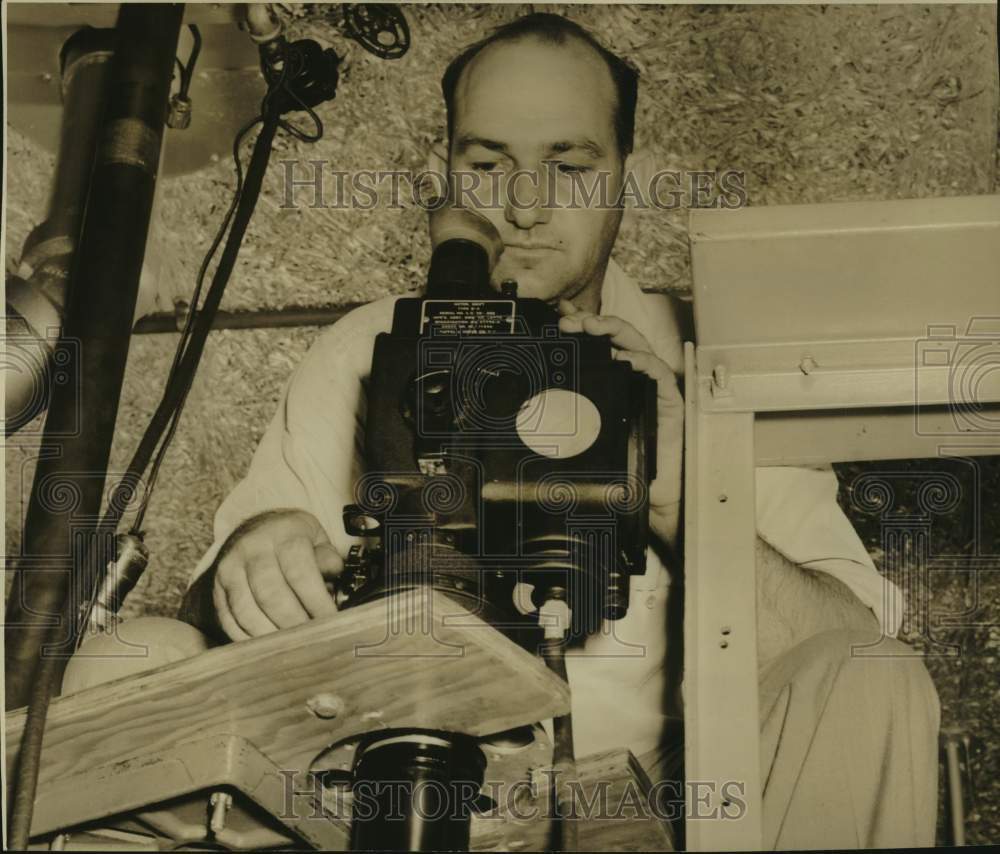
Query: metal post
[(69, 481), (36, 304), (955, 800)]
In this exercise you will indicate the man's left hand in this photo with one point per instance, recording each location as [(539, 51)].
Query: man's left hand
[(630, 344)]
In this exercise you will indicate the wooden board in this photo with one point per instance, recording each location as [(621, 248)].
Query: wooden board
[(432, 671), (191, 726), (612, 808), (720, 625), (845, 270)]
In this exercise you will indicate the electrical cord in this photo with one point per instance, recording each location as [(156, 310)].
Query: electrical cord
[(186, 332), (556, 617), (187, 69), (49, 666), (165, 418), (281, 96)]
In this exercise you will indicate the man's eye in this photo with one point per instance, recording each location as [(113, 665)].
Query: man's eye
[(573, 168), (485, 166)]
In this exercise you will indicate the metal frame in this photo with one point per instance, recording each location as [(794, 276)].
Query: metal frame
[(826, 333)]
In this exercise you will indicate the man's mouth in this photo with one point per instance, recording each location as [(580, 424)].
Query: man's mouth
[(531, 247)]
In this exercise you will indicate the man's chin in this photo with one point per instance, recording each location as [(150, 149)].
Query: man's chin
[(529, 284)]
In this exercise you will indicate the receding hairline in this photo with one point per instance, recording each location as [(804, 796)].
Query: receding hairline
[(568, 41)]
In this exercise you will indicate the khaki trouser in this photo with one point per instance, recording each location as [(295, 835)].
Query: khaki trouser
[(849, 755), (848, 745)]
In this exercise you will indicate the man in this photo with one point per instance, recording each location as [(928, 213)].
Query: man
[(542, 95)]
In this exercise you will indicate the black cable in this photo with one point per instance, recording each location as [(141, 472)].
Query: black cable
[(187, 69), (166, 417), (187, 74), (269, 106), (176, 391), (172, 376), (28, 764), (563, 758), (167, 414)]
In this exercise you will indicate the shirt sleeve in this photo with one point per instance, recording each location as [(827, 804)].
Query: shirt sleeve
[(798, 515), (310, 455)]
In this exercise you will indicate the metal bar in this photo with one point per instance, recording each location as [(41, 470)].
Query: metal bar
[(722, 722), (955, 791), (95, 340), (36, 303), (858, 389), (154, 324), (832, 436)]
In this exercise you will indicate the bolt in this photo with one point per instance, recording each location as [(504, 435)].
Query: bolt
[(720, 376), (220, 803), (325, 706), (807, 365)]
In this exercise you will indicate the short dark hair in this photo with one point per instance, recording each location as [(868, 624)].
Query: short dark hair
[(556, 30)]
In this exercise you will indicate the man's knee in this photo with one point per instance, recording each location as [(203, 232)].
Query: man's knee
[(136, 645), (877, 667)]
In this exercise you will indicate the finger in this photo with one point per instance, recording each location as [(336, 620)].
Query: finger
[(272, 592), (657, 369), (243, 606), (567, 307), (226, 619), (297, 558), (622, 333)]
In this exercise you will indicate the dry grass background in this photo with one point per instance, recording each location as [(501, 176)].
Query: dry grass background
[(818, 103)]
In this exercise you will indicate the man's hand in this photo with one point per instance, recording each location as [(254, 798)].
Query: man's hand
[(270, 574), (631, 345)]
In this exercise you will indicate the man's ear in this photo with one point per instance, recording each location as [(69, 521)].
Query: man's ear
[(435, 179), (437, 157), (641, 165)]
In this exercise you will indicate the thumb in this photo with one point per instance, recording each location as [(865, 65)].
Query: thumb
[(328, 559)]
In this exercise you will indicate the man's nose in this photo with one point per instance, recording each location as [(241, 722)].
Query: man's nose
[(526, 204)]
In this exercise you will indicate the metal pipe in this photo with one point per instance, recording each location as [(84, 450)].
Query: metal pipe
[(955, 799), (36, 296), (67, 492), (153, 324)]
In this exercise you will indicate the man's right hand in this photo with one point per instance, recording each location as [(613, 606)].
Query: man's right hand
[(270, 574)]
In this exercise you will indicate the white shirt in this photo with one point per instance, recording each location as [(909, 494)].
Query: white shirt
[(311, 456)]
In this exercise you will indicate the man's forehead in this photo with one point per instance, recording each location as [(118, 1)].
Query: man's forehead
[(554, 91)]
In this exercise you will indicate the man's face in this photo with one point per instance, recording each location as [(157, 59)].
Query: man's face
[(547, 109)]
